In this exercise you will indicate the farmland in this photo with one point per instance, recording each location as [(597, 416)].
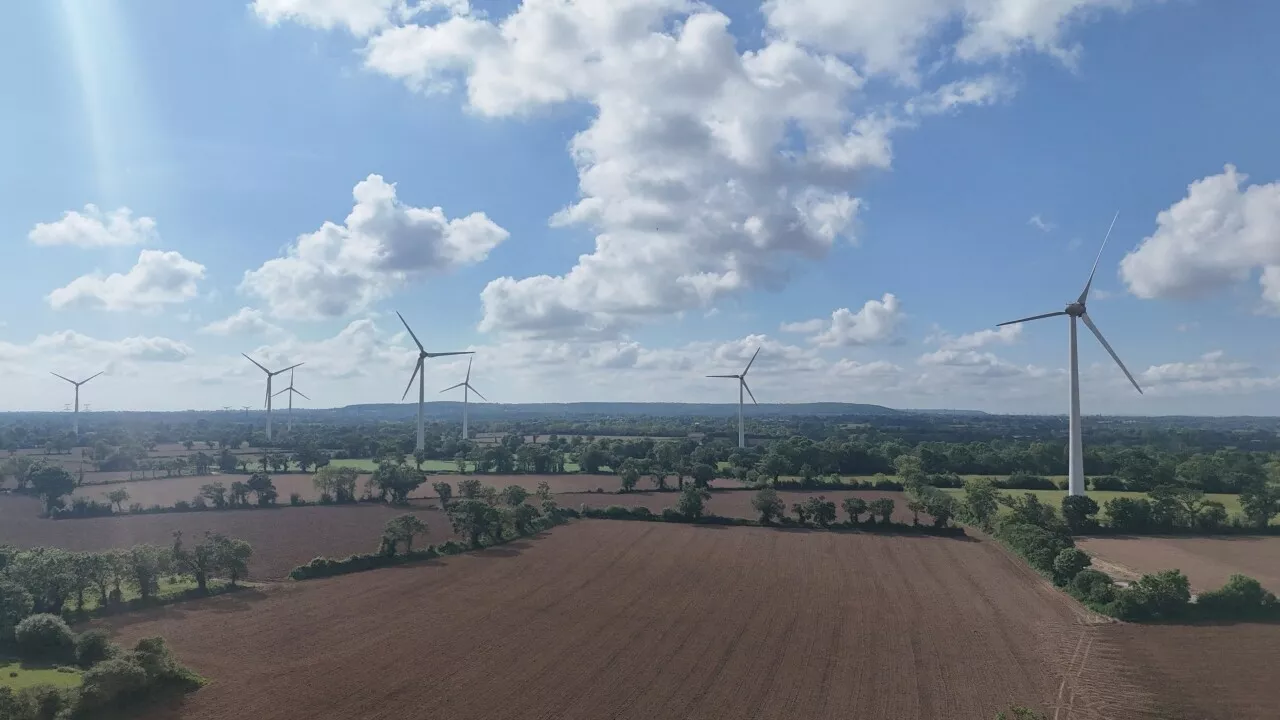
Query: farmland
[(282, 538), (1206, 561), (167, 491), (749, 622), (738, 503)]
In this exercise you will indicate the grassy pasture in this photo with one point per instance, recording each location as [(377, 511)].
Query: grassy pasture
[(17, 676)]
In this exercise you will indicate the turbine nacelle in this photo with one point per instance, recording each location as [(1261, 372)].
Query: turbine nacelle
[(1075, 309)]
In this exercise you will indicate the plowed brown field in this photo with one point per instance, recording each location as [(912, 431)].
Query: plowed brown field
[(607, 619), (1206, 561), (282, 538)]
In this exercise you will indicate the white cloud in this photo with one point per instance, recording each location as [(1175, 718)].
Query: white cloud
[(360, 17), (159, 278), (94, 228), (979, 91), (873, 323), (1217, 235), (1006, 335), (92, 352), (245, 321), (1211, 373), (1038, 223), (341, 269), (894, 36)]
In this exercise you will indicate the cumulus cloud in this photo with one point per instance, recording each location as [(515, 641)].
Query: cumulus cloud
[(94, 228), (159, 278), (892, 37), (873, 323), (341, 269), (1211, 373), (245, 321), (95, 352), (1217, 235), (360, 17), (1006, 335)]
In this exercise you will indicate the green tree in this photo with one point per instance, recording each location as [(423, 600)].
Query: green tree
[(692, 502), (822, 511), (147, 564), (469, 488), (629, 475), (882, 508), (15, 604), (52, 483), (514, 495), (239, 493), (198, 561), (118, 498), (1078, 511), (981, 501), (801, 511), (1260, 501), (703, 474), (215, 492), (44, 637), (444, 491), (261, 485), (910, 471), (768, 504), (854, 507), (402, 529), (1069, 562), (395, 481), (472, 519)]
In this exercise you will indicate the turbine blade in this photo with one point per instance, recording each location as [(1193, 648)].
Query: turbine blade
[(288, 368), (469, 361), (1085, 295), (753, 359), (299, 392), (464, 352), (281, 392), (1033, 317), (1098, 334), (724, 376), (90, 378), (747, 387), (416, 368), (453, 387), (73, 382), (478, 393), (406, 327), (255, 362)]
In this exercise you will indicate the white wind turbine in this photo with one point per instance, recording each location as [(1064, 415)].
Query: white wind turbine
[(418, 372), (292, 391), (75, 418), (1075, 471), (270, 375), (742, 385), (466, 390)]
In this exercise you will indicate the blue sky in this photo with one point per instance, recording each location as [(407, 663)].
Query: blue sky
[(741, 183)]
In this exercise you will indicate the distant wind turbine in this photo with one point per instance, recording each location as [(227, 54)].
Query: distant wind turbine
[(75, 418), (742, 385), (292, 391), (1075, 476), (270, 375), (418, 372), (466, 390)]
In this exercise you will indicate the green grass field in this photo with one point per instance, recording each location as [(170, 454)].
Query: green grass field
[(1054, 497), (13, 675), (168, 589)]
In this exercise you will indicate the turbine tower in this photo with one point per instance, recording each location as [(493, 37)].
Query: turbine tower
[(466, 390), (742, 385), (418, 372), (270, 375), (1076, 310), (292, 391), (75, 418)]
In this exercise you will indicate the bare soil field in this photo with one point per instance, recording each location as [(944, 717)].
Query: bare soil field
[(1206, 561), (737, 503), (282, 538), (167, 491), (642, 620)]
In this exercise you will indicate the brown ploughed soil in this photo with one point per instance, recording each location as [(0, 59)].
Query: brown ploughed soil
[(282, 538), (1206, 561), (624, 620)]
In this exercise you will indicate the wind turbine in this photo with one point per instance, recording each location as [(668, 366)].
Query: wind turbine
[(742, 385), (1076, 310), (292, 391), (270, 375), (466, 390), (418, 372), (75, 419)]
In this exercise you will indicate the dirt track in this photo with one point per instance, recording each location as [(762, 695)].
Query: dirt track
[(636, 620), (1206, 561), (282, 538)]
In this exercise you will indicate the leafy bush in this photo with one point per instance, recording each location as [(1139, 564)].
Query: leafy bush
[(768, 505), (692, 501), (112, 683), (451, 547), (45, 638), (854, 507), (1094, 586), (15, 604), (672, 515), (1241, 598), (1068, 563), (295, 499), (92, 647), (1159, 596), (1078, 512), (1107, 482), (1038, 545)]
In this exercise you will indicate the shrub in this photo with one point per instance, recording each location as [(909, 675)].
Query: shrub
[(822, 511), (1094, 586), (672, 515), (1107, 482), (1078, 511), (1039, 546), (1241, 598), (854, 507), (111, 683), (92, 647), (15, 604), (692, 501), (44, 638), (1159, 596), (450, 547), (1068, 563), (769, 506), (295, 499)]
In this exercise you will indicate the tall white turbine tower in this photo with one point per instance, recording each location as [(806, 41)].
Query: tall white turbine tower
[(418, 372), (1076, 310), (270, 375), (292, 391), (466, 390), (75, 418), (742, 385)]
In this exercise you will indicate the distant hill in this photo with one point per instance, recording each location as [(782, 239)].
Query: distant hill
[(494, 411)]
